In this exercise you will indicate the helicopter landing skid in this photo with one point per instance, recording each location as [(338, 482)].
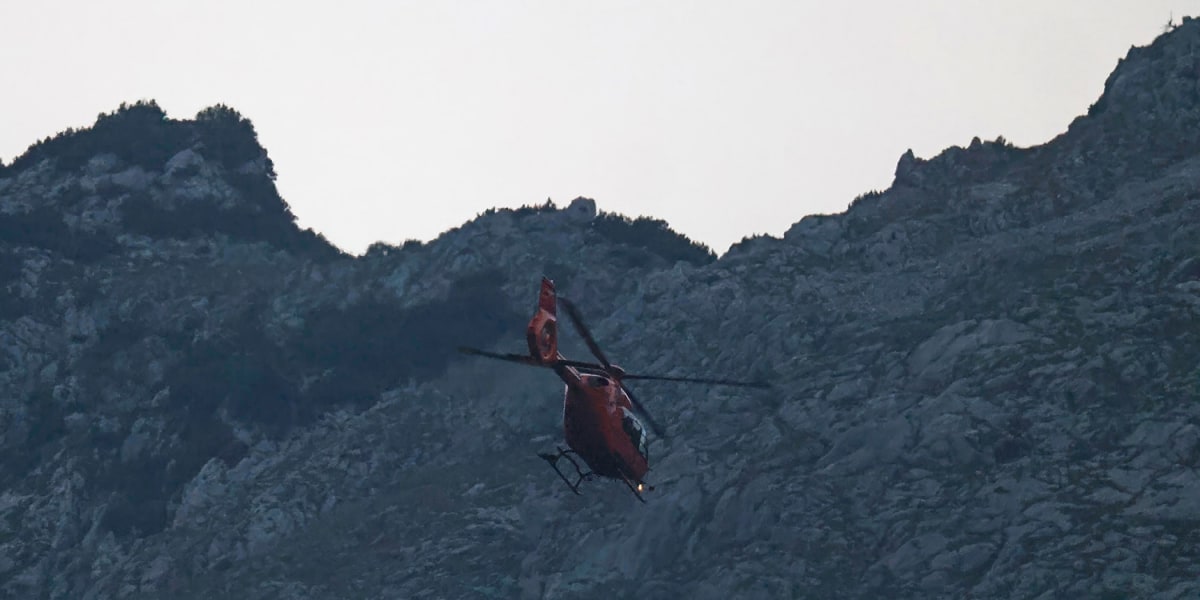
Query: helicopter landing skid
[(634, 488), (565, 453)]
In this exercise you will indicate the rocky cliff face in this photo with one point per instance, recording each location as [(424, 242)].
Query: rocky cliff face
[(986, 381)]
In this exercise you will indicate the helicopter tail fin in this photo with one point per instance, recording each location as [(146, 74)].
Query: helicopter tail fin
[(542, 333)]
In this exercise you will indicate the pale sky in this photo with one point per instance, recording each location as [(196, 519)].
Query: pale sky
[(401, 119)]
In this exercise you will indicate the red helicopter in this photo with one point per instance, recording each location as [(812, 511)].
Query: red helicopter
[(599, 424)]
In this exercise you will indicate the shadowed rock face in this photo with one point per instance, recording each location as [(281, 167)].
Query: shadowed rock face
[(987, 382)]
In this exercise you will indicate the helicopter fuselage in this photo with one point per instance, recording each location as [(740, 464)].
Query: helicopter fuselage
[(600, 426)]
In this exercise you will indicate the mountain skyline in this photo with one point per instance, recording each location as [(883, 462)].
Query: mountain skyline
[(394, 121)]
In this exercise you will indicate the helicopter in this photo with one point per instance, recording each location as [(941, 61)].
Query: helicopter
[(600, 426)]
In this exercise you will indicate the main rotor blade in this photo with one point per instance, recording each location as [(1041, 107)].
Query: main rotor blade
[(577, 320), (517, 358), (754, 384), (654, 426), (580, 364), (529, 360)]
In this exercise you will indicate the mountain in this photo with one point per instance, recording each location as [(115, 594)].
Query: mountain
[(986, 380)]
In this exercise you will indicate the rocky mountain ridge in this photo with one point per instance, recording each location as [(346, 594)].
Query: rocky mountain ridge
[(986, 380)]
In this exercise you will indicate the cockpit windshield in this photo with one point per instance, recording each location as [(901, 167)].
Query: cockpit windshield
[(637, 433)]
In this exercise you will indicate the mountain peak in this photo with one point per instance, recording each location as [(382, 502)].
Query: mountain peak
[(136, 171), (1147, 116), (1157, 80), (141, 134)]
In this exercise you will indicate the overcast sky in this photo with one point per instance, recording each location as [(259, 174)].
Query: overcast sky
[(400, 119)]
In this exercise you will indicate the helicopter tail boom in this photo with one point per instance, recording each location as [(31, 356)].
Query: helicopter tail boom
[(542, 333)]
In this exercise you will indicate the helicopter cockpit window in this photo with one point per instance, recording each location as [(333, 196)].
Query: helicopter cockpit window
[(636, 432)]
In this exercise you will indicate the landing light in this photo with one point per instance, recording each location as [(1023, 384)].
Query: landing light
[(640, 487)]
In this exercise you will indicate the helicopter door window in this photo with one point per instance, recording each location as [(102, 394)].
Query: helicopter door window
[(597, 381)]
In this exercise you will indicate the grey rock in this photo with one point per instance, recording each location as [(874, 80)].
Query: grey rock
[(935, 358), (184, 160), (867, 445), (102, 163), (133, 178), (581, 210)]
